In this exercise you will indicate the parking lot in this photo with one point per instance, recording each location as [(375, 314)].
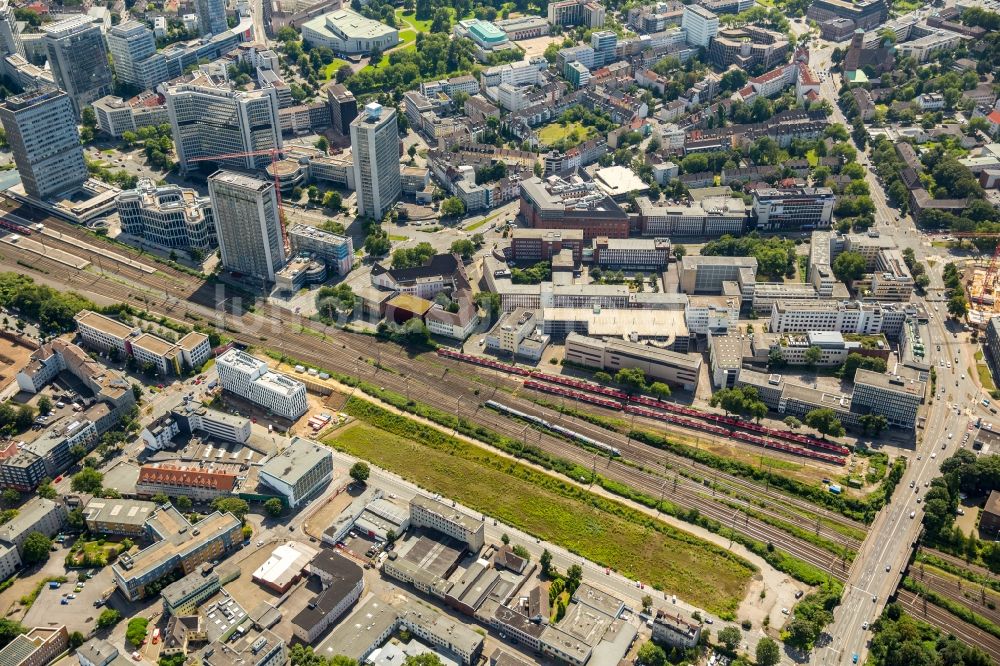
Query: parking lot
[(78, 614)]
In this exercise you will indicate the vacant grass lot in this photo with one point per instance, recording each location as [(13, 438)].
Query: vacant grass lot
[(410, 19), (331, 70), (576, 133), (601, 530)]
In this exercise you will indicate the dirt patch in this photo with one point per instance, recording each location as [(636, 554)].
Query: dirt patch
[(13, 357), (536, 47), (324, 516)]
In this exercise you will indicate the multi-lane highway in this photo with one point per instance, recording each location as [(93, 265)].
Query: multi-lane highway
[(882, 559)]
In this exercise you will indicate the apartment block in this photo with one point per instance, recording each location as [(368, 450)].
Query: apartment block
[(179, 545), (431, 513), (120, 517), (36, 515), (38, 647), (201, 482)]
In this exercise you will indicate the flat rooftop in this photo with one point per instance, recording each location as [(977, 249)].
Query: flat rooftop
[(618, 323), (152, 344), (104, 324), (450, 513), (297, 460), (120, 511)]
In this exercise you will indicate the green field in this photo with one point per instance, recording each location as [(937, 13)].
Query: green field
[(575, 132), (601, 530), (331, 69), (409, 18)]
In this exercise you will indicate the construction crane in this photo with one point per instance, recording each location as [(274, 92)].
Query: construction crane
[(993, 267), (275, 155)]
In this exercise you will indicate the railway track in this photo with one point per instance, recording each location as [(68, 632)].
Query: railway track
[(652, 459), (440, 391), (978, 599), (950, 624), (732, 484)]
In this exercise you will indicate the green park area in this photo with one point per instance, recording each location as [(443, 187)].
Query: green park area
[(331, 69), (95, 553), (602, 530), (567, 134)]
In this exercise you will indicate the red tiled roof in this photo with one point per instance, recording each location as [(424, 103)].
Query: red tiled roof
[(806, 76), (994, 117), (775, 73), (187, 477)]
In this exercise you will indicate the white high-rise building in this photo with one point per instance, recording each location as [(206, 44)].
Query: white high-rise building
[(246, 224), (250, 378), (10, 36), (133, 51), (79, 60), (212, 14), (700, 24), (375, 147), (209, 120), (41, 130)]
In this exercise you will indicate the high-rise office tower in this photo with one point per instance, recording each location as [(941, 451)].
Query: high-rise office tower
[(41, 130), (343, 108), (210, 119), (133, 51), (212, 15), (375, 145), (247, 224), (10, 36), (700, 25), (79, 60)]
